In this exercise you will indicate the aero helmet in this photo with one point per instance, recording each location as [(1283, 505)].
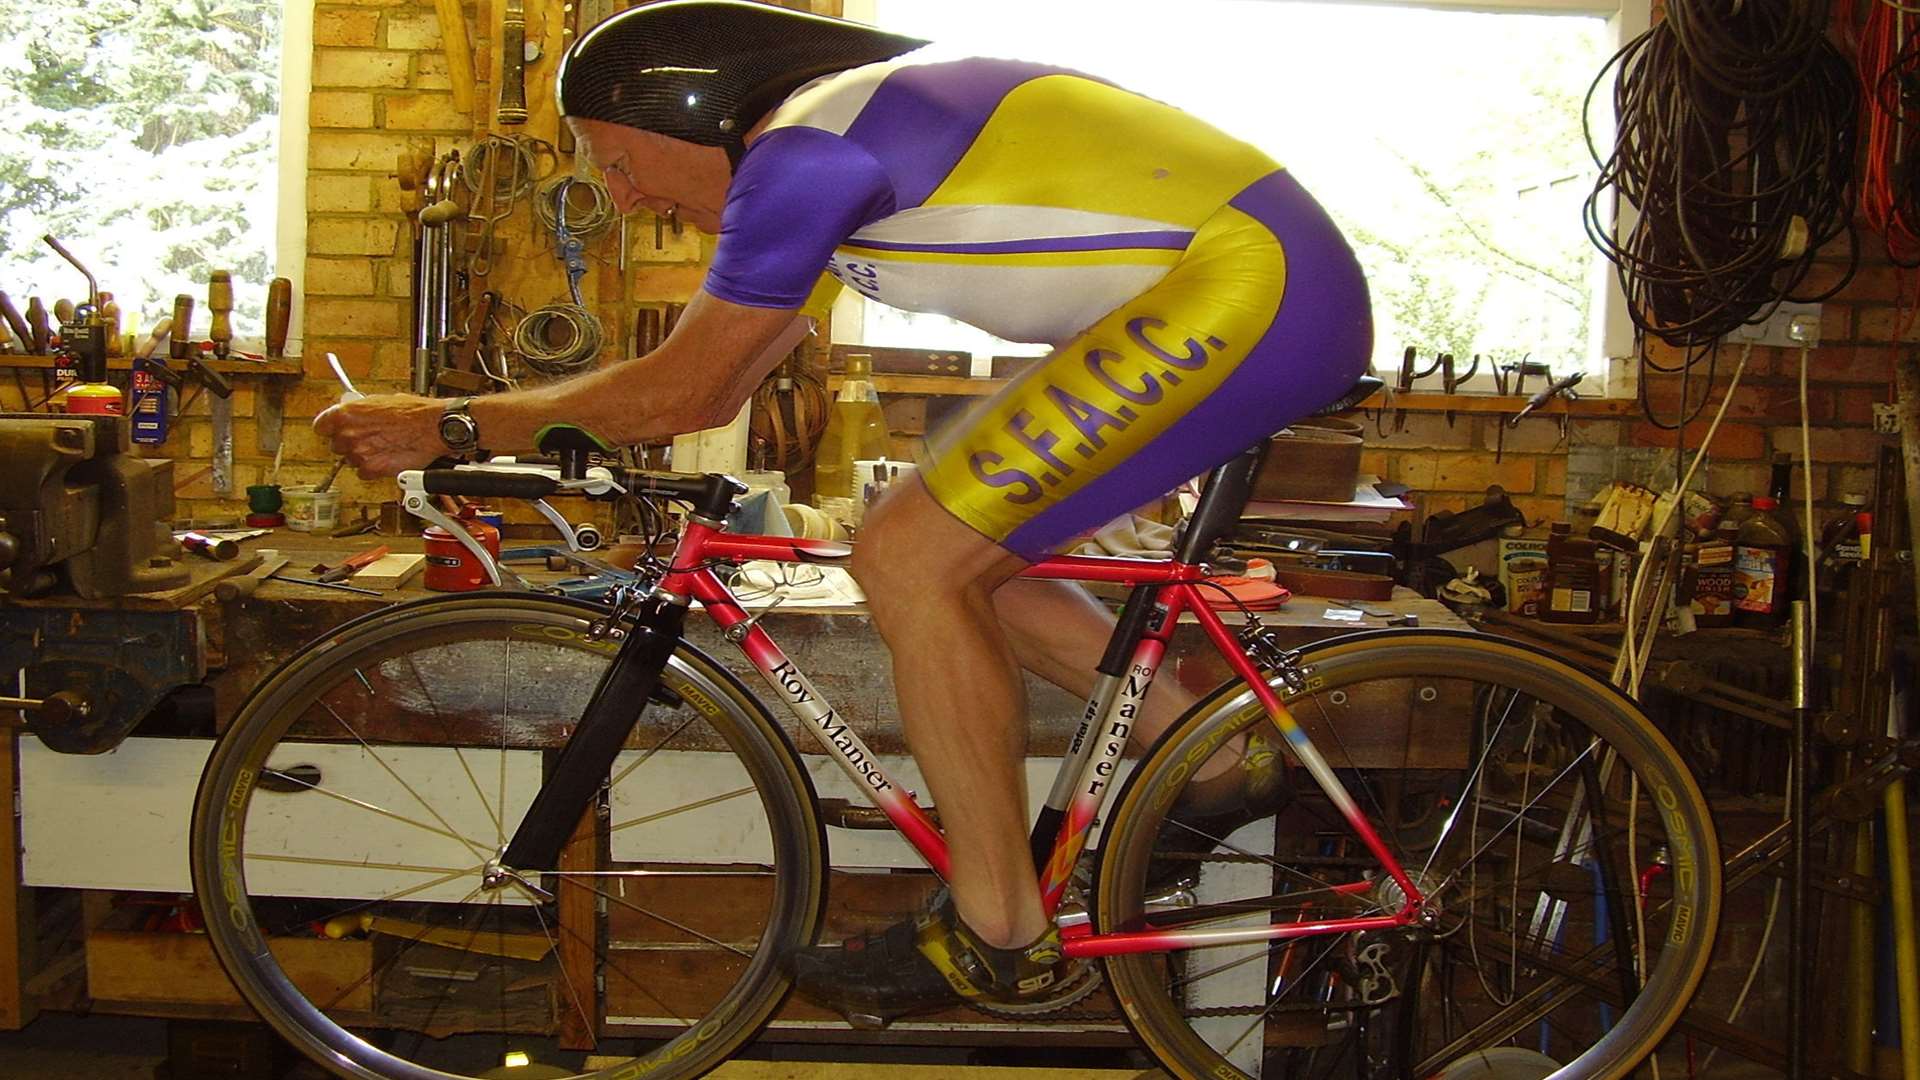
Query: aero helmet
[(706, 71)]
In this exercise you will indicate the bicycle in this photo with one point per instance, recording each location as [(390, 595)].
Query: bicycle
[(621, 842)]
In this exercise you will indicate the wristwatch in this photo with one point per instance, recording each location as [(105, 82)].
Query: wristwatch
[(457, 428)]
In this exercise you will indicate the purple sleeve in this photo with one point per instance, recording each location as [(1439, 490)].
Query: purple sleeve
[(799, 192)]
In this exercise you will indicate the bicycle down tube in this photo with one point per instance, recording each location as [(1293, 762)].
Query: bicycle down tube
[(1092, 763)]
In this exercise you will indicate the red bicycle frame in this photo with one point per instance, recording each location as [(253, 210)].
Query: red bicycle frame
[(1088, 772)]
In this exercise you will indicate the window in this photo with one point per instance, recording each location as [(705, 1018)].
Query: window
[(1446, 142), (147, 138)]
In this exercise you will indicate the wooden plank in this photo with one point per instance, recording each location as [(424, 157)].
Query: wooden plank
[(225, 367), (17, 1007), (578, 1004), (125, 965), (1415, 401), (390, 571)]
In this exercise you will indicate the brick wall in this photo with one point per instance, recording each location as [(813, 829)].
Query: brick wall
[(381, 89)]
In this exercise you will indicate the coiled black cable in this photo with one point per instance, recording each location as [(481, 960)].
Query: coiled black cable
[(1735, 142)]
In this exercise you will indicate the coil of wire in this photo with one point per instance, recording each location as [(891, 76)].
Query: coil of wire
[(558, 340), (561, 196), (1735, 142)]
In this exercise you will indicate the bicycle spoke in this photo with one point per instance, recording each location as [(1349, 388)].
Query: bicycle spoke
[(1261, 1020), (371, 808), (398, 779), (361, 864), (573, 993), (1453, 816), (697, 805), (652, 750), (662, 919)]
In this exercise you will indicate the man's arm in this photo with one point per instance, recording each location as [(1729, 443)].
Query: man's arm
[(698, 378)]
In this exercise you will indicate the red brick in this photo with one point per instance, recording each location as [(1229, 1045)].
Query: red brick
[(1854, 405), (1883, 324), (355, 356), (1848, 445), (345, 26), (1733, 442), (1778, 403), (1858, 363)]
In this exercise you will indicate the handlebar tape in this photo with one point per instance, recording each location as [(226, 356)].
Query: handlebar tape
[(498, 484)]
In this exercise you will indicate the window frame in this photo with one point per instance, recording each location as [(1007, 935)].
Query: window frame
[(1610, 335), (290, 219)]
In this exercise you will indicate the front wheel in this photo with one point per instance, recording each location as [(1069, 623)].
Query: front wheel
[(1569, 865), (345, 825)]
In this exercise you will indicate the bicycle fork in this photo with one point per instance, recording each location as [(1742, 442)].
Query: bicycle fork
[(587, 759)]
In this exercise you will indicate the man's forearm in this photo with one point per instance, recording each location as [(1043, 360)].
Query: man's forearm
[(625, 403)]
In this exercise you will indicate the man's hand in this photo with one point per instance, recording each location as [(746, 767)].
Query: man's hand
[(384, 434)]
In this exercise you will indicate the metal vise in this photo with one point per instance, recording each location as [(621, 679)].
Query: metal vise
[(75, 505)]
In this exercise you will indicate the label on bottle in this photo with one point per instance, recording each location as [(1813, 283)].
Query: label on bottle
[(1574, 600), (1756, 571)]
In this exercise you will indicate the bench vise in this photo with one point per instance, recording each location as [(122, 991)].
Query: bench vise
[(79, 510)]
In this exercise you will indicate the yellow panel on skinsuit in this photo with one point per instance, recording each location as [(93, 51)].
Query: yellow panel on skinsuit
[(1109, 392), (1061, 140)]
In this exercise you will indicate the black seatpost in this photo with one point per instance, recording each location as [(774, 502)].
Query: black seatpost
[(1222, 497)]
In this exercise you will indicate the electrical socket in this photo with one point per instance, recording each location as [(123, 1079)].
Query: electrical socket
[(1790, 326), (1886, 418)]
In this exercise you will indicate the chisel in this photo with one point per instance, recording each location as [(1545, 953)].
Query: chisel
[(15, 323), (37, 322)]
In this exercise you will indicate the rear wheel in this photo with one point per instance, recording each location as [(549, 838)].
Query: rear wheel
[(362, 793), (1530, 803)]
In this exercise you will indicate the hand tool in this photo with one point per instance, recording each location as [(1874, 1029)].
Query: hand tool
[(216, 548), (326, 585), (37, 322), (180, 345), (513, 64), (15, 323), (353, 562), (220, 303), (83, 344), (1562, 385), (279, 313), (453, 41), (110, 315), (239, 588)]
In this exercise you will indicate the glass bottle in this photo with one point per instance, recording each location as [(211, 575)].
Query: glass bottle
[(856, 430)]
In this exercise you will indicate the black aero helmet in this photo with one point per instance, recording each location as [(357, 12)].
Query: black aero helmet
[(706, 71)]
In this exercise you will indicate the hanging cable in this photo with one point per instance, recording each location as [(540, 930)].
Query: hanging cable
[(1734, 143)]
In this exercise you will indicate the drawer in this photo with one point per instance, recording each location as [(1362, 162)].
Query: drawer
[(180, 969), (119, 820)]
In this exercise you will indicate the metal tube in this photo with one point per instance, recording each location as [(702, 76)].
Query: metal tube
[(1797, 914)]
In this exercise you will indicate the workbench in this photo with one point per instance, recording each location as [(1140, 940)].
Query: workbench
[(136, 840)]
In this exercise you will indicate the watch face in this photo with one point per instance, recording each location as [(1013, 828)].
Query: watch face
[(456, 431)]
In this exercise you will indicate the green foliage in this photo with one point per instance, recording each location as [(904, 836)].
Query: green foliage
[(144, 135)]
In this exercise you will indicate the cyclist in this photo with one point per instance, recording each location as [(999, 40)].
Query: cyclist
[(1197, 297)]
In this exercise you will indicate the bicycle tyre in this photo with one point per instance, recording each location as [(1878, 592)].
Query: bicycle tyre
[(232, 780), (1140, 981)]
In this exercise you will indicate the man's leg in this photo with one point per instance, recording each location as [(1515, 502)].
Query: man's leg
[(929, 581), (1059, 632)]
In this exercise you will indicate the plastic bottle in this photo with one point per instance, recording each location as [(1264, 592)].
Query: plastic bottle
[(856, 429), (1763, 567)]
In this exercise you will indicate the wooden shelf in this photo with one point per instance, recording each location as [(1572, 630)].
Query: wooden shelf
[(928, 385), (121, 363), (1417, 401)]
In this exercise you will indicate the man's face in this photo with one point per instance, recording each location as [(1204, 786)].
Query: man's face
[(644, 169)]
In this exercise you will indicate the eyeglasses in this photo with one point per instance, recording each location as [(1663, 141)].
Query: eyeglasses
[(619, 165)]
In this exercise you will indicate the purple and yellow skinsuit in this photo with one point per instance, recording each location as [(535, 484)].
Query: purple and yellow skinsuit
[(1197, 297)]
